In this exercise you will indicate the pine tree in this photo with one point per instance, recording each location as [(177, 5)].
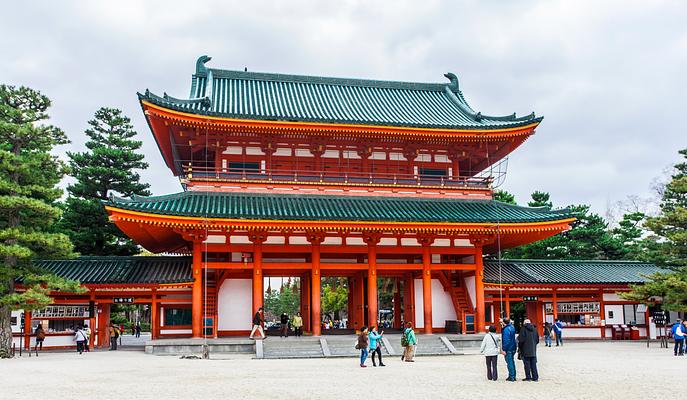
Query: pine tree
[(28, 178), (669, 288), (107, 167), (504, 197)]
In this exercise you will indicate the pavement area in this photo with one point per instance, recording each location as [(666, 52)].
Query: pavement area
[(580, 370)]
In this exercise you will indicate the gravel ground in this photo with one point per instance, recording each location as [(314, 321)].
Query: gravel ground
[(580, 370)]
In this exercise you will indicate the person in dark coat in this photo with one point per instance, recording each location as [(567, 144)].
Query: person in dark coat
[(284, 319), (527, 344)]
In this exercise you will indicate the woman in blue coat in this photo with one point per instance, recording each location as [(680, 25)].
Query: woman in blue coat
[(376, 346)]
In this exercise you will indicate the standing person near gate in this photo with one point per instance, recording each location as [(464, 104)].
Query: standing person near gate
[(527, 342), (297, 323), (80, 339), (257, 324), (40, 337), (362, 345), (114, 335), (408, 341), (284, 319), (376, 346), (679, 336), (509, 346), (491, 347), (558, 330)]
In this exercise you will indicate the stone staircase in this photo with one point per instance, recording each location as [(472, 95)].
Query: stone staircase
[(312, 347), (292, 348), (431, 345)]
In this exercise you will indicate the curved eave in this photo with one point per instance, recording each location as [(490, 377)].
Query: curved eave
[(160, 232), (169, 112)]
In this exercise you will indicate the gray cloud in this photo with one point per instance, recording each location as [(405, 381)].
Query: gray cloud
[(608, 76)]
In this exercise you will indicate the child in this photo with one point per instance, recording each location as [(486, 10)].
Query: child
[(547, 334)]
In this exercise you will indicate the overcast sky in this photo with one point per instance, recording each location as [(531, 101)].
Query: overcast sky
[(609, 77)]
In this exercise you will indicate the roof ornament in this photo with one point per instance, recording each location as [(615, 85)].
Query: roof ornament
[(454, 81), (201, 69)]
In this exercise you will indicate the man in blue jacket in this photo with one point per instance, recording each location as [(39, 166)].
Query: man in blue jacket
[(558, 330), (509, 346)]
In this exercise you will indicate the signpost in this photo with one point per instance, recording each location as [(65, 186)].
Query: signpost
[(659, 319)]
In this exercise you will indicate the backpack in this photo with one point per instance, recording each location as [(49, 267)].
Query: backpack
[(404, 340), (116, 332)]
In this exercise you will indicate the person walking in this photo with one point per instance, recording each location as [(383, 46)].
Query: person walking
[(257, 324), (363, 345), (138, 330), (297, 325), (508, 347), (491, 347), (558, 330), (284, 319), (87, 332), (40, 337), (679, 336), (114, 335), (408, 341), (547, 334), (80, 339), (527, 342), (376, 346)]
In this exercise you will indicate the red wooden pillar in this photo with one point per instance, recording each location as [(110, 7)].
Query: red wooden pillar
[(479, 290), (409, 299), (554, 305), (602, 314), (154, 316), (427, 282), (315, 285), (258, 278), (27, 330), (372, 306), (197, 291), (103, 324), (359, 298), (305, 302), (497, 314), (507, 300), (397, 304)]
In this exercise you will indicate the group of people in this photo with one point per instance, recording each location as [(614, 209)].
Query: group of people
[(524, 345), (285, 323), (370, 343), (679, 331)]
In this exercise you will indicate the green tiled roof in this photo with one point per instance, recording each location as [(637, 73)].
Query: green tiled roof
[(567, 271), (122, 270), (335, 208), (277, 97)]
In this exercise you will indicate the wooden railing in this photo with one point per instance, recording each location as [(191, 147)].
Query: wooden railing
[(335, 177)]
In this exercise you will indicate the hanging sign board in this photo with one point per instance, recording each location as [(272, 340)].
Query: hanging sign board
[(530, 298), (123, 300)]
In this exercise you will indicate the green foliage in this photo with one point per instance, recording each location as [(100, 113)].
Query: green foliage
[(286, 300), (504, 197), (29, 175), (540, 199), (590, 238), (670, 288), (109, 166), (334, 300)]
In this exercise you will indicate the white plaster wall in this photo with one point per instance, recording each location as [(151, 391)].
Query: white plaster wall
[(442, 306), (617, 314), (582, 333), (470, 285), (235, 305)]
